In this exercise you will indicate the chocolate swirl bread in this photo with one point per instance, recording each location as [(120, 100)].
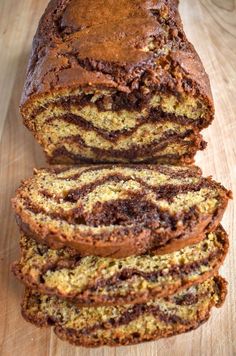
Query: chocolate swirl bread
[(115, 81), (127, 324), (106, 281), (119, 211)]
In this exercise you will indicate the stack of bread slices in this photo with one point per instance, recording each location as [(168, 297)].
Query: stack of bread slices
[(125, 246)]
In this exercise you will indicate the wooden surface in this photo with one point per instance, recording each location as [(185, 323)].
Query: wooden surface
[(211, 26)]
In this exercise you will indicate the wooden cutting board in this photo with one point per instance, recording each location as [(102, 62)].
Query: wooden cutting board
[(211, 26)]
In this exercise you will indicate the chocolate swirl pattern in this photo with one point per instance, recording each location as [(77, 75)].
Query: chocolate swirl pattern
[(107, 281), (121, 210), (120, 251), (126, 324)]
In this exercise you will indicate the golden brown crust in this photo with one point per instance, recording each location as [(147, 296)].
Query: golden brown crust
[(73, 47), (132, 56)]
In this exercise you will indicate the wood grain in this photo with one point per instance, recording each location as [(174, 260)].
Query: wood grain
[(211, 26)]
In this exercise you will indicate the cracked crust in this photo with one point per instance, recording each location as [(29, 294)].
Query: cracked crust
[(131, 60), (68, 51)]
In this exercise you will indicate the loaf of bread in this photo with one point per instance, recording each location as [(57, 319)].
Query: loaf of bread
[(119, 210), (106, 281), (115, 81), (127, 324)]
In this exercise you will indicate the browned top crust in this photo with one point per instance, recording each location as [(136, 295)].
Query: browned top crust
[(126, 44)]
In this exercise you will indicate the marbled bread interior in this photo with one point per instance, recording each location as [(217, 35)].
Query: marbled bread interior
[(127, 324), (119, 211), (102, 280)]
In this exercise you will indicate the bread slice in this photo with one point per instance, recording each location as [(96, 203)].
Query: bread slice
[(122, 85), (127, 324), (119, 210), (106, 281)]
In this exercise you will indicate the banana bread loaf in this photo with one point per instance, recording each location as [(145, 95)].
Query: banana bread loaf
[(127, 324), (106, 281), (115, 81), (119, 210)]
